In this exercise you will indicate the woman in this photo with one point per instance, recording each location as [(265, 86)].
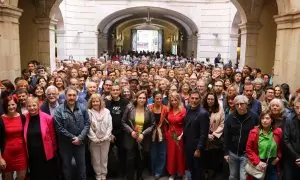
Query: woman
[(42, 82), (237, 80), (138, 123), (39, 135), (9, 87), (13, 156), (230, 106), (265, 143), (127, 94), (158, 146), (213, 152), (277, 110), (175, 154), (227, 83), (99, 135), (39, 92), (185, 89), (60, 84), (279, 95)]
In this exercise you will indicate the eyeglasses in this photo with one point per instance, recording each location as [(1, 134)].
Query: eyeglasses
[(51, 94), (240, 104)]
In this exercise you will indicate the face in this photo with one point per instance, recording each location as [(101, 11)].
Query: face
[(275, 108), (112, 76), (96, 103), (270, 94), (39, 91), (31, 67), (247, 80), (71, 97), (59, 83), (74, 83), (297, 109), (84, 72), (12, 106), (74, 73), (171, 74), (194, 100), (162, 72), (180, 75), (107, 86), (115, 91), (277, 92), (201, 87), (257, 86), (238, 78), (92, 88), (266, 121), (22, 98), (162, 85), (158, 99), (227, 83), (32, 107), (218, 87), (266, 79), (42, 82), (193, 80), (248, 91), (228, 71), (133, 85), (174, 102), (127, 94), (241, 108), (52, 96), (93, 71), (141, 99), (210, 100), (231, 103), (144, 77), (185, 88)]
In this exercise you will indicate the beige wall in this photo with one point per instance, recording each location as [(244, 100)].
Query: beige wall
[(267, 38), (28, 34)]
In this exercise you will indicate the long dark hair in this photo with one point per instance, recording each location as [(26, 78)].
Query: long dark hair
[(262, 115), (215, 108)]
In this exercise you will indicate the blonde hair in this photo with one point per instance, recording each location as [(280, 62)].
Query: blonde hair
[(278, 102), (176, 96), (33, 99), (96, 96)]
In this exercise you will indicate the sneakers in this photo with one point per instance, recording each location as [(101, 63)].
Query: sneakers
[(171, 177)]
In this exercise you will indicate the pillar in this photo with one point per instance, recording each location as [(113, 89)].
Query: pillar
[(9, 42), (191, 45), (249, 38), (233, 47), (287, 54), (60, 37), (102, 42), (46, 41)]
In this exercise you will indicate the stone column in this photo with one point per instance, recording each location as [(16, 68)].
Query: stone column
[(233, 47), (46, 41), (287, 54), (249, 37), (60, 37), (102, 42), (191, 45), (10, 67)]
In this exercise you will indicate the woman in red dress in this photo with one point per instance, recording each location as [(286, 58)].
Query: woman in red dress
[(175, 153), (13, 156)]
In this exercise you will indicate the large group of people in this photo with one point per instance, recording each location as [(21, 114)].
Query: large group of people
[(124, 116)]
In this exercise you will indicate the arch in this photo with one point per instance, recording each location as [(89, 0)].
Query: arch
[(240, 10), (141, 11)]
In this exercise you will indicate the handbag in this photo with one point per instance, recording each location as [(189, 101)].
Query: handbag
[(255, 171)]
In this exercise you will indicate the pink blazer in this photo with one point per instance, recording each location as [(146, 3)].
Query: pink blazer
[(48, 134)]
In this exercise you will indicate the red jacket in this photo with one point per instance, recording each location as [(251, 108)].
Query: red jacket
[(48, 134), (252, 145)]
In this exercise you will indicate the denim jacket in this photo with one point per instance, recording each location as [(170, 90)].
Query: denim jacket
[(70, 124)]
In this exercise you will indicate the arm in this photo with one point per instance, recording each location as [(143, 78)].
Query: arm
[(251, 154), (59, 126), (109, 128), (150, 128), (92, 135), (287, 140), (87, 124), (204, 129), (219, 131), (125, 118)]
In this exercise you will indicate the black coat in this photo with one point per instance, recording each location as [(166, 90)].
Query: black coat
[(196, 128), (291, 137)]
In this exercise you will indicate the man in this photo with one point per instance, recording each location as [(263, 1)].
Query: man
[(193, 81), (51, 102), (123, 82), (144, 78), (202, 89), (72, 124), (107, 88), (22, 95), (236, 130), (254, 105), (133, 84), (195, 133), (269, 96), (117, 106), (219, 90), (292, 142)]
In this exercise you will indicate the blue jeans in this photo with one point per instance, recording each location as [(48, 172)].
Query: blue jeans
[(158, 157), (271, 173), (237, 166)]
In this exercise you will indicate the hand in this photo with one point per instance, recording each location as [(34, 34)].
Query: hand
[(2, 164), (262, 165), (179, 137), (211, 137), (297, 162), (112, 138), (76, 141), (275, 161), (140, 138), (226, 158), (134, 135), (197, 153)]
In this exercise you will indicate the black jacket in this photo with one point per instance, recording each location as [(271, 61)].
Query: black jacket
[(291, 137), (196, 127), (236, 132)]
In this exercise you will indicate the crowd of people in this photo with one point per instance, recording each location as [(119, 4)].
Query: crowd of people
[(121, 116)]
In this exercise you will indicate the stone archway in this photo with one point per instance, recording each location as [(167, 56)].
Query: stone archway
[(116, 18)]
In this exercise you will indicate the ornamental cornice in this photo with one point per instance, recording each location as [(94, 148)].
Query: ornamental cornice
[(10, 13), (250, 27), (288, 21)]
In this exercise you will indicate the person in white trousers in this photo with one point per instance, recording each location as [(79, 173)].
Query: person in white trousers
[(99, 135)]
